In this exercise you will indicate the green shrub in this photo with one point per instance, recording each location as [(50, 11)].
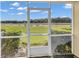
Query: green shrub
[(9, 46), (24, 44), (12, 33), (63, 48)]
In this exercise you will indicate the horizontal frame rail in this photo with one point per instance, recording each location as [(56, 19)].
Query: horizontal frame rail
[(12, 37), (52, 34), (62, 35), (39, 34), (39, 9), (36, 35)]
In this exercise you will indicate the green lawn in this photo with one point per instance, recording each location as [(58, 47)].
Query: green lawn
[(35, 40)]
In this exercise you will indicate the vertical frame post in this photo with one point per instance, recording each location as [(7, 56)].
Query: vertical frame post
[(0, 39), (28, 30), (72, 27), (49, 30)]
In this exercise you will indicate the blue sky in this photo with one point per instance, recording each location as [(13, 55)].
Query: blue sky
[(16, 10)]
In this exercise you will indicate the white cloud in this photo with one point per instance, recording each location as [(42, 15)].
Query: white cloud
[(34, 7), (2, 10), (45, 12), (68, 6), (21, 8), (20, 13), (63, 16), (35, 11), (15, 4), (25, 7), (11, 8)]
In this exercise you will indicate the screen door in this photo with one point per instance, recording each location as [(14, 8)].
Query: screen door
[(38, 31)]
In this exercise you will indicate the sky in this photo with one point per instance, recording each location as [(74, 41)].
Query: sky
[(17, 10)]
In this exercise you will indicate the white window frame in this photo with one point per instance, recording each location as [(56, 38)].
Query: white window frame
[(49, 30)]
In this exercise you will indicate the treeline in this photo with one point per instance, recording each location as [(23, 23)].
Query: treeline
[(61, 20), (54, 20), (13, 21)]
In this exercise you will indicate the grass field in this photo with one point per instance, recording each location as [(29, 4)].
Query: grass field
[(35, 40)]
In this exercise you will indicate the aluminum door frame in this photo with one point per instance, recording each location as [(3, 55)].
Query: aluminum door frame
[(49, 27)]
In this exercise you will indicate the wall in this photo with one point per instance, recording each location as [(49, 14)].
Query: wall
[(76, 29)]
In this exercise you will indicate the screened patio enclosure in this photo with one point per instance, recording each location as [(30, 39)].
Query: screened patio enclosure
[(57, 43), (47, 31)]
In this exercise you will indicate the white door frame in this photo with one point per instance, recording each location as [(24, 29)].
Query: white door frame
[(49, 28)]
